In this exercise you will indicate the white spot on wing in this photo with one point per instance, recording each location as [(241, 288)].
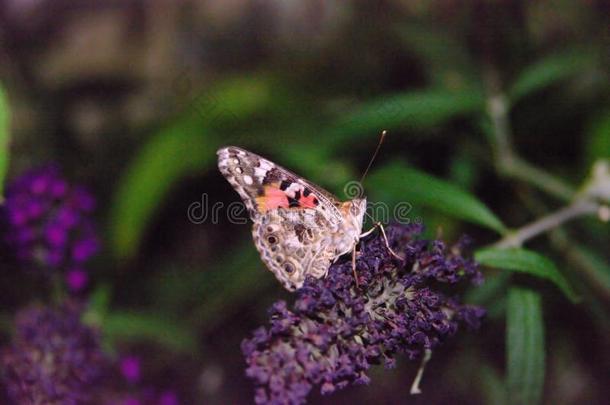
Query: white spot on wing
[(265, 165), (248, 180), (260, 173)]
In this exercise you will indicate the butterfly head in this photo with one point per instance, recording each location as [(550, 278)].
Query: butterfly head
[(353, 212)]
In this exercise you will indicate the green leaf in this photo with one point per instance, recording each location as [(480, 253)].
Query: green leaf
[(548, 71), (184, 147), (135, 326), (234, 98), (421, 109), (99, 302), (4, 138), (598, 140), (168, 156), (526, 261), (415, 187), (525, 347)]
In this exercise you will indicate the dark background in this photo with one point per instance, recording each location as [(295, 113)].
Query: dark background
[(133, 98)]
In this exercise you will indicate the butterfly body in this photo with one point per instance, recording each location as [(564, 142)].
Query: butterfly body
[(298, 228)]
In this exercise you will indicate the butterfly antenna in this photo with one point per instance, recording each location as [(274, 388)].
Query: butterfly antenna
[(381, 138)]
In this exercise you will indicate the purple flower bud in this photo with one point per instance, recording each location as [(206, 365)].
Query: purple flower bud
[(338, 326), (49, 224), (130, 368), (77, 279)]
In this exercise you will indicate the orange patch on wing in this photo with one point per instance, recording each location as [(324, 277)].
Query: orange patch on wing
[(308, 202), (272, 198)]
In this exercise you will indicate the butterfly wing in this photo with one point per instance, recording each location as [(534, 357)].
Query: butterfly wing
[(264, 186), (294, 244), (299, 228)]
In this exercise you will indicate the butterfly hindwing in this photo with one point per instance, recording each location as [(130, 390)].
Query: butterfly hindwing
[(293, 244)]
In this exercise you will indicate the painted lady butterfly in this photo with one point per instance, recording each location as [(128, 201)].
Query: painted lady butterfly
[(299, 228)]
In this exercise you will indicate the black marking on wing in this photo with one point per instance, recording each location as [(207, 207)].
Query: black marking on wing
[(273, 176), (293, 203)]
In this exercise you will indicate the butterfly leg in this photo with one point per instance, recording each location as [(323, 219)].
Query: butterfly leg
[(354, 265), (370, 231), (385, 238)]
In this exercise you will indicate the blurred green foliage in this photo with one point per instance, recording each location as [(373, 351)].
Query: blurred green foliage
[(431, 76), (397, 182), (526, 261), (525, 349)]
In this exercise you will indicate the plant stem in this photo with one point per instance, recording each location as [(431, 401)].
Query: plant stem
[(522, 170), (507, 162), (547, 223)]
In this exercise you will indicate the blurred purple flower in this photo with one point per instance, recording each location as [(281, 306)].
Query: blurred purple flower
[(49, 223), (130, 368), (168, 398), (77, 279), (337, 328), (53, 359)]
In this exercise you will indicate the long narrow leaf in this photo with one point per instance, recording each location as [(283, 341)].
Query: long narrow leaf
[(128, 326), (415, 187), (526, 261), (420, 109), (548, 71), (184, 147), (4, 137), (171, 154), (525, 347), (598, 139)]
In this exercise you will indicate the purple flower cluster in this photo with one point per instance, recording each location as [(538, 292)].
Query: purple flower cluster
[(49, 224), (54, 358), (339, 326)]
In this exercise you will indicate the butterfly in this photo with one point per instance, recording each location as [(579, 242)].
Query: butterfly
[(299, 229)]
